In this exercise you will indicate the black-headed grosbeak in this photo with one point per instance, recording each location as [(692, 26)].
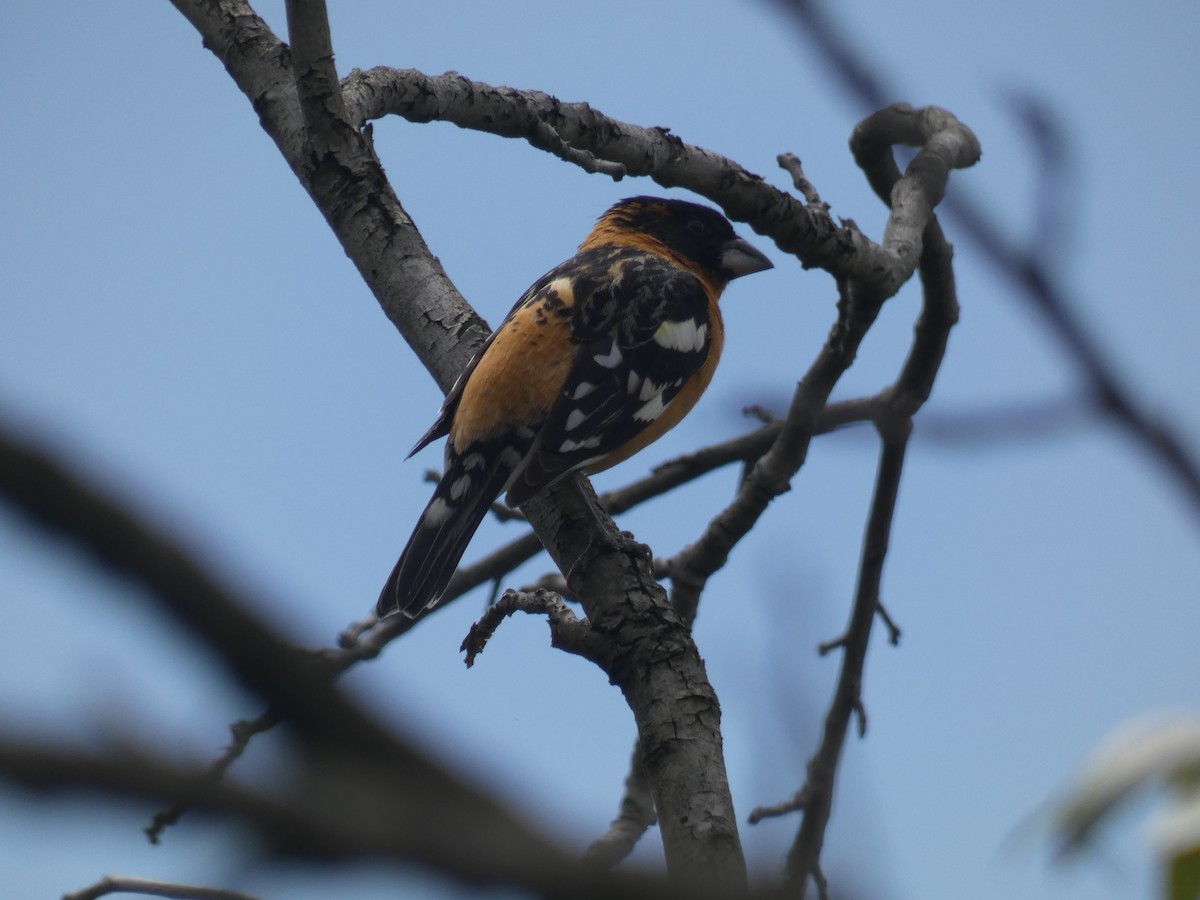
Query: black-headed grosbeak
[(600, 357)]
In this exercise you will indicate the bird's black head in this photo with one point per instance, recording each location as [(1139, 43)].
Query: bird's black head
[(694, 233)]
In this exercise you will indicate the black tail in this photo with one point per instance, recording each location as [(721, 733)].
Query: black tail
[(459, 503)]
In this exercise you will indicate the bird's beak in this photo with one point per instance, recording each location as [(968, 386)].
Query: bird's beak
[(740, 257)]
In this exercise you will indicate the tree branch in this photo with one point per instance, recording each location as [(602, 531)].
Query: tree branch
[(365, 640), (342, 175), (326, 126), (892, 412), (329, 726), (805, 230), (658, 663), (635, 817), (948, 145), (343, 808), (241, 733), (817, 793), (651, 657), (128, 884), (1026, 270), (567, 631)]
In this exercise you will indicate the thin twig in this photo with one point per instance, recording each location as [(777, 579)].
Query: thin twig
[(544, 137), (893, 629), (804, 857), (947, 145), (787, 807), (129, 884), (791, 164), (241, 732), (568, 632)]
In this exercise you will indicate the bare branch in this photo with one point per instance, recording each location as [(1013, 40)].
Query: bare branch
[(298, 686), (787, 807), (653, 152), (889, 623), (806, 230), (544, 137), (948, 144), (791, 164), (338, 168), (635, 817), (1025, 268), (129, 884), (316, 78), (654, 661), (241, 732), (804, 858), (348, 807), (53, 498), (567, 631)]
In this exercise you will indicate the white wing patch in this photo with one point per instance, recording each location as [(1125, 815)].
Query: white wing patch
[(685, 336), (582, 390), (590, 443), (612, 359), (575, 419)]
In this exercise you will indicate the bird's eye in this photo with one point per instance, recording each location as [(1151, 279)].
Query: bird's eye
[(698, 227)]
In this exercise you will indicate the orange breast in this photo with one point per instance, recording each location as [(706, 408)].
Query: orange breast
[(520, 375)]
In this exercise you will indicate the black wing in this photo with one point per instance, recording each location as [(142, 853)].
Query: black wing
[(644, 328)]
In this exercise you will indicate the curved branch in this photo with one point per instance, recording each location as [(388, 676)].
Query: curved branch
[(948, 145), (806, 230), (635, 817), (568, 632), (347, 808), (1025, 268)]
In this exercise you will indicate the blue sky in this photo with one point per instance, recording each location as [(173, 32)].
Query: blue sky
[(178, 322)]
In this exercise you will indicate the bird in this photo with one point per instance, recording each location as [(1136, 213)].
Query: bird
[(600, 357)]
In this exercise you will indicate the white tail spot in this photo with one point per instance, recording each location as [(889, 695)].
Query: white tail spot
[(459, 486), (651, 410), (439, 511)]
